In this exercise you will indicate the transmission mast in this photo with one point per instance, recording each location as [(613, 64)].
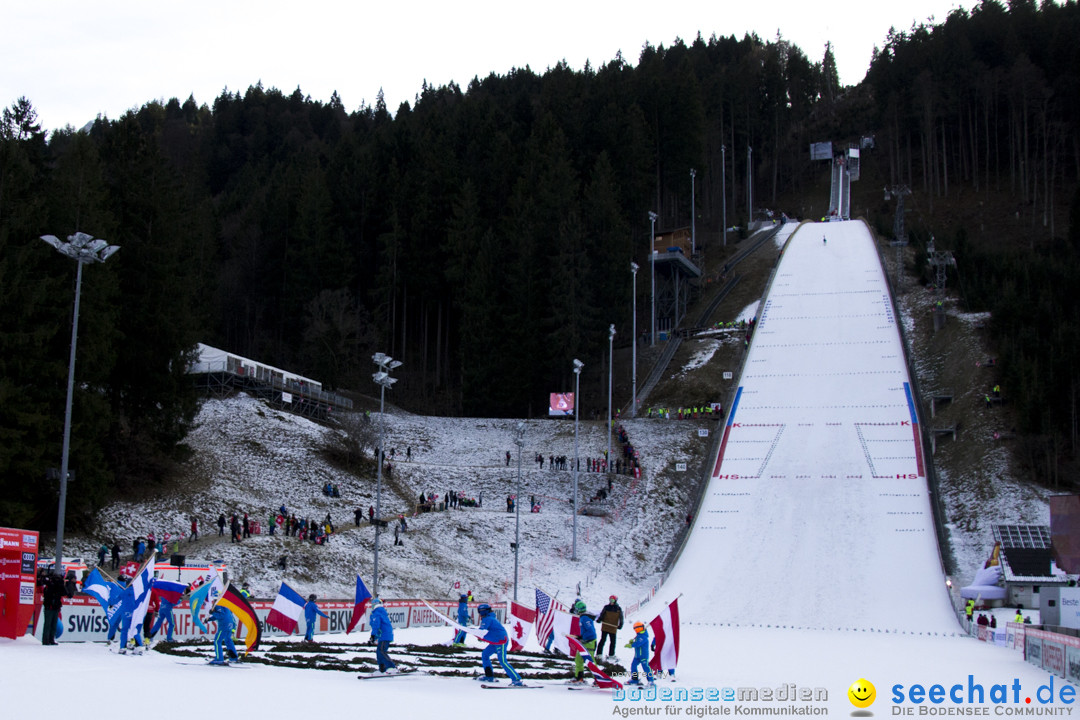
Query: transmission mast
[(940, 260)]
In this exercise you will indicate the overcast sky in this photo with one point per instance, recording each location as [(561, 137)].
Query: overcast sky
[(74, 60)]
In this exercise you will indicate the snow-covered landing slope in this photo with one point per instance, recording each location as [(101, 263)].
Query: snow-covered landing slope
[(817, 514)]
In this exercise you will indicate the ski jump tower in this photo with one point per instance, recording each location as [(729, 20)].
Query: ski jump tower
[(845, 170)]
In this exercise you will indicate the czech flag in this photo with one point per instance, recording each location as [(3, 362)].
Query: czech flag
[(359, 606), (287, 609)]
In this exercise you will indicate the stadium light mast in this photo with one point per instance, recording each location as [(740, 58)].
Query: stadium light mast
[(633, 342), (83, 249), (577, 411), (693, 214), (610, 371), (383, 380), (652, 266), (749, 187), (519, 440), (723, 187)]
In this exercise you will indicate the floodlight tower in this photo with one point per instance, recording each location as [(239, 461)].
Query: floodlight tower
[(610, 372), (749, 187), (578, 365), (633, 397), (519, 440), (652, 266), (723, 187), (83, 249), (383, 380), (693, 214)]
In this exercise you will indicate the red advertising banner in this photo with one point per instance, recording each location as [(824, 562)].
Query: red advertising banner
[(18, 568)]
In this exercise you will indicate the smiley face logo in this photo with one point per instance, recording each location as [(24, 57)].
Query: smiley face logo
[(862, 693)]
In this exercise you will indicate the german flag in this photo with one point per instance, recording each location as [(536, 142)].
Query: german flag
[(245, 614)]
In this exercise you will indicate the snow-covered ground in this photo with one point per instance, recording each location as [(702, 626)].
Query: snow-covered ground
[(814, 568), (254, 459)]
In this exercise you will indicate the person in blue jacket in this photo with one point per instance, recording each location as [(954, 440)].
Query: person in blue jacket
[(223, 639), (114, 622), (311, 611), (127, 611), (640, 644), (382, 632), (462, 619), (497, 639), (587, 635), (164, 617)]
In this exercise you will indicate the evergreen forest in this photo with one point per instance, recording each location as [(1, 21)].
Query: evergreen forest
[(483, 235)]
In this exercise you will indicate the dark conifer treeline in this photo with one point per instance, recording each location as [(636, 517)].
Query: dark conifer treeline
[(481, 235), (980, 116)]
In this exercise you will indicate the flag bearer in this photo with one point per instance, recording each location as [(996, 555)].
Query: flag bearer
[(640, 644), (497, 640), (165, 617), (382, 632), (311, 611), (127, 610), (463, 619), (223, 640), (587, 635)]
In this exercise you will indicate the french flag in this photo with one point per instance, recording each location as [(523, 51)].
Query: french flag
[(168, 590), (360, 604), (286, 611)]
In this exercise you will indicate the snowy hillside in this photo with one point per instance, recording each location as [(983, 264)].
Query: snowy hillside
[(249, 458)]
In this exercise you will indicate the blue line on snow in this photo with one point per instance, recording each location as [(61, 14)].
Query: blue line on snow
[(734, 406)]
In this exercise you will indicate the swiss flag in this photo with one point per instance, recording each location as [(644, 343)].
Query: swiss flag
[(519, 625)]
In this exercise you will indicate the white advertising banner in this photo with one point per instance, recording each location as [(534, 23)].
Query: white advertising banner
[(1070, 607), (85, 621)]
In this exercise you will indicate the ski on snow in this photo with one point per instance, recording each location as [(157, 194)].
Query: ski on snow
[(511, 687), (375, 676), (208, 664)]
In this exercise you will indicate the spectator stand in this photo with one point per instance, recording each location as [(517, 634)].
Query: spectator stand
[(221, 373)]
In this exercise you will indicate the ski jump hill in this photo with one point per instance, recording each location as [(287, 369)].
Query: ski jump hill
[(817, 514)]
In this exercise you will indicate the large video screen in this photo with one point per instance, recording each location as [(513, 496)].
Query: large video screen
[(561, 404)]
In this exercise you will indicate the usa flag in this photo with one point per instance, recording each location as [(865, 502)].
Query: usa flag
[(544, 618)]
